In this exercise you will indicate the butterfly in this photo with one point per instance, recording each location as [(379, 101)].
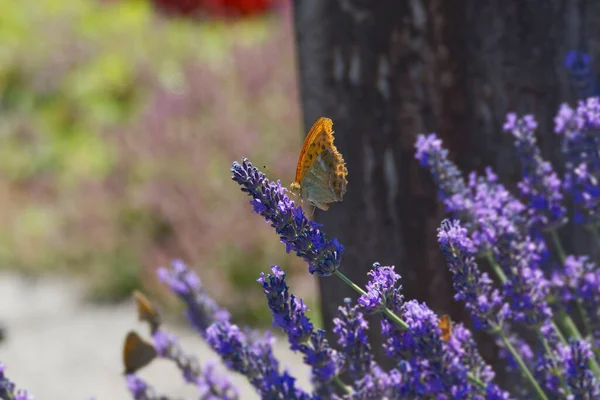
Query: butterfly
[(446, 327), (137, 353), (321, 171), (147, 311)]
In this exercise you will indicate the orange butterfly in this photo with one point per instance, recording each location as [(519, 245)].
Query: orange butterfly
[(137, 353), (446, 327), (321, 171), (147, 311)]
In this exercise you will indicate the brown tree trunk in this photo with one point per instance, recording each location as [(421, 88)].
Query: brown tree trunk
[(387, 70)]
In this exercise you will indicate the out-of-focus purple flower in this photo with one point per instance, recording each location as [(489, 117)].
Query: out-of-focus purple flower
[(540, 185), (530, 357), (23, 395), (383, 290), (526, 289), (579, 377), (581, 141), (478, 202), (578, 63), (448, 179), (463, 346), (167, 346), (298, 233), (201, 309), (240, 352), (567, 281), (493, 206), (214, 386), (254, 360), (288, 311), (289, 314), (475, 289), (230, 343), (429, 366), (378, 384), (140, 390), (493, 392), (579, 282), (351, 328), (8, 389)]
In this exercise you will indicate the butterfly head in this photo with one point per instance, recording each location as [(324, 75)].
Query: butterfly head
[(295, 188)]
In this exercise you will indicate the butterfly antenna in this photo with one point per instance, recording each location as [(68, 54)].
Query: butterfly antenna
[(271, 172)]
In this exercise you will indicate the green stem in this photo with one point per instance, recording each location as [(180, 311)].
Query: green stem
[(496, 268), (526, 372), (558, 332), (391, 315), (594, 230), (347, 389), (349, 282), (584, 317), (551, 355), (398, 321), (562, 255), (573, 332), (476, 381), (569, 325), (565, 320), (559, 248)]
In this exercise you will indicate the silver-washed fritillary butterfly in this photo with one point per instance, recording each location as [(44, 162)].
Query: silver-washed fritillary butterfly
[(321, 171)]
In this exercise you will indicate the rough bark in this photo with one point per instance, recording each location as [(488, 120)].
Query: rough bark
[(387, 70)]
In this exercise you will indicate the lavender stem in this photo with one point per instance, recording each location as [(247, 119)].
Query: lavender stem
[(397, 320), (523, 367)]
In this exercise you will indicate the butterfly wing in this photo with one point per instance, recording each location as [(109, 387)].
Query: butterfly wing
[(321, 171), (137, 353), (325, 182), (319, 137), (446, 327), (147, 311)]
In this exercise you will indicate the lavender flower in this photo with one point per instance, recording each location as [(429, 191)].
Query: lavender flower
[(201, 308), (430, 368), (581, 142), (240, 352), (213, 386), (351, 328), (540, 185), (254, 360), (8, 389), (140, 390), (578, 63), (463, 346), (383, 290), (167, 346), (486, 305), (378, 384), (579, 377), (492, 208), (296, 231), (289, 314), (478, 203), (527, 289), (579, 282), (452, 188)]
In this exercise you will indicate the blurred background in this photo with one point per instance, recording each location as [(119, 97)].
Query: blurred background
[(119, 121)]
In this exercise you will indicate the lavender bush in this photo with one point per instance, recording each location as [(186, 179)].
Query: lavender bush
[(508, 266)]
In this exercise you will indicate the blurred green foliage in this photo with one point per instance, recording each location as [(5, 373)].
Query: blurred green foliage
[(117, 129)]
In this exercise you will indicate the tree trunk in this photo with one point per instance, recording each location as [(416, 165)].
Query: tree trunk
[(387, 70)]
